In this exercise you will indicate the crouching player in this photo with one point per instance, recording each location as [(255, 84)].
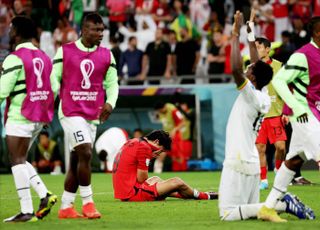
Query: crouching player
[(130, 172), (239, 184)]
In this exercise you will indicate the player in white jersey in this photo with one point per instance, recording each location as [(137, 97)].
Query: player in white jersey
[(239, 184)]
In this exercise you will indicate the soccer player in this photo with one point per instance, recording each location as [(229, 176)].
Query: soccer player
[(303, 72), (130, 172), (272, 127), (25, 83), (87, 73), (239, 184)]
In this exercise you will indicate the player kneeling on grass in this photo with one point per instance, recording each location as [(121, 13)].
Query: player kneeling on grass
[(239, 184), (130, 172)]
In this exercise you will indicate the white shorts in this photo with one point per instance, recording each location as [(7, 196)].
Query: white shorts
[(305, 140), (237, 189), (78, 131), (30, 130)]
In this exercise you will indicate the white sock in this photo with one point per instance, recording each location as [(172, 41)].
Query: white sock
[(158, 165), (67, 199), (196, 193), (36, 182), (281, 182), (86, 194), (247, 211), (21, 179)]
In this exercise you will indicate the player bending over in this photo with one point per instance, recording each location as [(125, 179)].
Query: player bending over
[(239, 185), (130, 172)]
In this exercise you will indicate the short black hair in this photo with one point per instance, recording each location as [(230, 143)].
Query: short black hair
[(312, 24), (159, 105), (92, 17), (264, 41), (44, 132), (286, 34), (131, 38), (263, 73), (162, 136), (25, 27), (138, 130)]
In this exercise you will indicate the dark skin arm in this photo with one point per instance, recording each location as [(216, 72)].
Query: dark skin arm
[(105, 112), (236, 60)]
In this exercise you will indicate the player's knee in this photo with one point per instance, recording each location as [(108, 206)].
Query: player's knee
[(85, 155), (261, 149), (177, 182), (281, 148)]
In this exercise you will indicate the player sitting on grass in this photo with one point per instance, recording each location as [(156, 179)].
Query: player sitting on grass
[(130, 172), (239, 184)]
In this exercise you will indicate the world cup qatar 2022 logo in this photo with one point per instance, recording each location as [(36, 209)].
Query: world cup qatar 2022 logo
[(86, 67), (38, 69)]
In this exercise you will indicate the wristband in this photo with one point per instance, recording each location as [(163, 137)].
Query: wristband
[(251, 37)]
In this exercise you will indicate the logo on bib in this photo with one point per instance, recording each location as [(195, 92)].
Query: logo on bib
[(38, 69), (86, 67)]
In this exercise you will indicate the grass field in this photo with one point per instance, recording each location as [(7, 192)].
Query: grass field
[(169, 214)]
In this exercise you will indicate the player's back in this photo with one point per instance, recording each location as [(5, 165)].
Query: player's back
[(243, 124), (126, 164)]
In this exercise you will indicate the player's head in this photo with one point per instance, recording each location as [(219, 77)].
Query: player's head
[(92, 30), (260, 74), (137, 133), (160, 139), (22, 30), (314, 27), (44, 138), (263, 46), (160, 107)]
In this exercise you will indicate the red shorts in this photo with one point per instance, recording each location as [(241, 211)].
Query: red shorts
[(272, 129), (144, 192)]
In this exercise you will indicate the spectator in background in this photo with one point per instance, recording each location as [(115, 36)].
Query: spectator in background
[(316, 8), (144, 8), (4, 39), (172, 40), (64, 33), (41, 14), (137, 133), (199, 12), (158, 58), (265, 18), (286, 49), (281, 17), (186, 56), (216, 55), (161, 15), (18, 8), (89, 6), (118, 10), (116, 51), (47, 155), (302, 9), (132, 58), (212, 24), (300, 36)]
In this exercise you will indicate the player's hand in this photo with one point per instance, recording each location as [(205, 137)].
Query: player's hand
[(303, 118), (105, 113), (238, 21), (285, 120)]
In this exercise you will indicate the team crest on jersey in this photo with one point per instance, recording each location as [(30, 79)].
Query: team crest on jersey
[(86, 67), (38, 69), (147, 162)]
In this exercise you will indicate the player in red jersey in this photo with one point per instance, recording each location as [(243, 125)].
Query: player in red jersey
[(130, 172)]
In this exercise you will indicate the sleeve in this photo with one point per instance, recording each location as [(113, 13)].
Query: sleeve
[(12, 66), (111, 83), (295, 68), (56, 74), (177, 116), (144, 155), (259, 99)]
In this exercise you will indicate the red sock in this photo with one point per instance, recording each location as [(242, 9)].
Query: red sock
[(278, 164), (263, 173), (203, 196), (178, 195)]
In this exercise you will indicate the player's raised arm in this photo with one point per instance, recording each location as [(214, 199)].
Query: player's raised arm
[(236, 60), (254, 57)]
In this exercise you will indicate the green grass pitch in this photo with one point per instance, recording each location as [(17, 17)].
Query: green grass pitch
[(169, 214)]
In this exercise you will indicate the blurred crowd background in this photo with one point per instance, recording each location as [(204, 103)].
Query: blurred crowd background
[(165, 41)]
